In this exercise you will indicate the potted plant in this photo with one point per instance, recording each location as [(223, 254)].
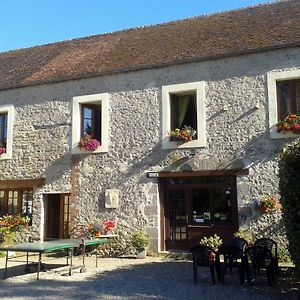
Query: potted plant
[(109, 226), (213, 241), (94, 229), (183, 135), (268, 203), (290, 124), (140, 241), (88, 143)]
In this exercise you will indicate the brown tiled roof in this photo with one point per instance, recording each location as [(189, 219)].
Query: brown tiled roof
[(252, 29)]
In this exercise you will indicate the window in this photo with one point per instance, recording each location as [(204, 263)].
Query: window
[(3, 129), (284, 98), (91, 121), (16, 202), (183, 110), (90, 116), (183, 106), (6, 128), (288, 98)]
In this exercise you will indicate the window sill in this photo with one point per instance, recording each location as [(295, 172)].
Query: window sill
[(278, 135), (167, 144), (5, 156), (77, 150)]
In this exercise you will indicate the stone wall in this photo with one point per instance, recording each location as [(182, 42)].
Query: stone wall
[(42, 138)]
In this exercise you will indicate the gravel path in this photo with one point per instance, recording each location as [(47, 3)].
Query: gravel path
[(150, 278)]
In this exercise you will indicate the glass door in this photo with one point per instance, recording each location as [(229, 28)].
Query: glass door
[(177, 219), (198, 207)]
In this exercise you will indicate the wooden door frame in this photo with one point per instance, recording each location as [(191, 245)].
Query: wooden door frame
[(60, 199), (164, 230)]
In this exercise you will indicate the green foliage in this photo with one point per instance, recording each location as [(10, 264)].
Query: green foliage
[(246, 235), (213, 241), (140, 239), (283, 255), (9, 226), (289, 186)]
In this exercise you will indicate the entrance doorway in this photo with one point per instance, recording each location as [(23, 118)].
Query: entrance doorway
[(57, 216), (197, 207)]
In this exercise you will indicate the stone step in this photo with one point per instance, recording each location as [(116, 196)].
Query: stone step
[(178, 255)]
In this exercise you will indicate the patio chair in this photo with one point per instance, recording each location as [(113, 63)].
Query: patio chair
[(203, 256), (259, 258), (230, 257), (238, 242), (271, 245)]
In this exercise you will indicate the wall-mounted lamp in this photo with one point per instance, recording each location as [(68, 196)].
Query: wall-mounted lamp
[(257, 105), (225, 107)]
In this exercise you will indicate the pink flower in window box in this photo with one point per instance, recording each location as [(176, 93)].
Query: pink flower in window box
[(2, 150), (290, 124), (88, 144)]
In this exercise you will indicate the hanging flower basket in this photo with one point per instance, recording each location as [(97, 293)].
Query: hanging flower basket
[(88, 144), (183, 135), (268, 203), (290, 124)]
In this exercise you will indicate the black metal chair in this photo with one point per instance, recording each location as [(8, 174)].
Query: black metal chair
[(230, 257), (259, 258), (238, 242), (203, 256), (271, 245)]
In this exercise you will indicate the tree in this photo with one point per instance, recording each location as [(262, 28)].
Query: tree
[(289, 186)]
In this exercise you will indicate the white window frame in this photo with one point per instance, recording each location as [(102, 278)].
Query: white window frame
[(9, 109), (76, 121), (272, 78), (199, 88)]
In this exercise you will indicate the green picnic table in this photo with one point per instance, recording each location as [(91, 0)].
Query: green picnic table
[(55, 246)]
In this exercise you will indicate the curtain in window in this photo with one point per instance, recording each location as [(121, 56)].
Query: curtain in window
[(183, 107)]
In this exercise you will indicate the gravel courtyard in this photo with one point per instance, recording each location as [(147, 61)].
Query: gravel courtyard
[(128, 278)]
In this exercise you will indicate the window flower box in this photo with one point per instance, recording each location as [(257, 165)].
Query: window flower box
[(183, 135), (291, 124), (88, 143), (2, 150)]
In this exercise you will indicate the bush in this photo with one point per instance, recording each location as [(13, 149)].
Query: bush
[(289, 186), (246, 235), (9, 226)]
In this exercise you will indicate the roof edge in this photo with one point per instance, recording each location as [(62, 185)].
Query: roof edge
[(155, 66)]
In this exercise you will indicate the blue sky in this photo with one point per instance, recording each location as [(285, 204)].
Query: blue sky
[(26, 23)]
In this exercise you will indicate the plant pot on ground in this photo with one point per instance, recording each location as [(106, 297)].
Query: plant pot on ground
[(140, 241)]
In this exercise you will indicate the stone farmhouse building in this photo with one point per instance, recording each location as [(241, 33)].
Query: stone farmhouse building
[(231, 76)]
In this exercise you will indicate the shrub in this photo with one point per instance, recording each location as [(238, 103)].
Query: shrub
[(246, 235), (289, 186)]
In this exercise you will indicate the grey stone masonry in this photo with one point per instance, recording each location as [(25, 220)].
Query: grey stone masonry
[(43, 128)]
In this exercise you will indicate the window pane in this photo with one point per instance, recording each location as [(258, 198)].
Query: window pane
[(221, 205), (2, 203), (27, 203), (288, 98), (297, 95), (87, 113), (3, 129), (183, 111), (87, 124), (91, 120), (12, 202), (200, 206)]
